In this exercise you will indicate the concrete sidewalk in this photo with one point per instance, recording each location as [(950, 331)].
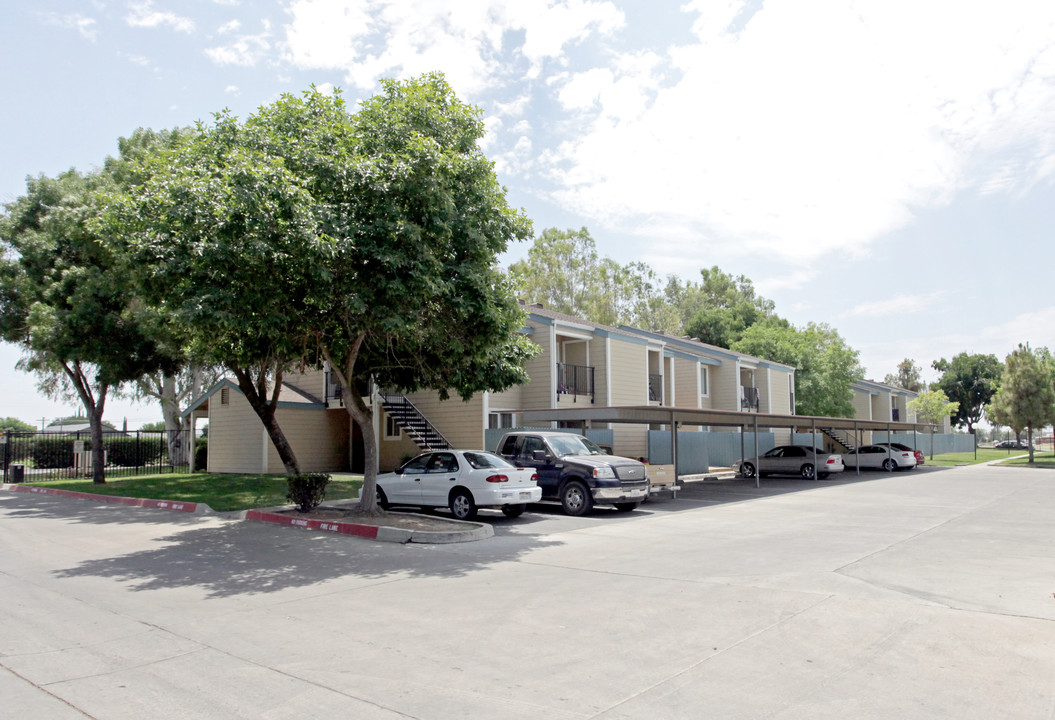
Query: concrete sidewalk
[(910, 595)]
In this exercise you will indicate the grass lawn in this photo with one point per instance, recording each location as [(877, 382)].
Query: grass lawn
[(967, 458), (1040, 459), (222, 493)]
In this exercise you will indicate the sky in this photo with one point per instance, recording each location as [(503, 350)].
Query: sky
[(886, 167)]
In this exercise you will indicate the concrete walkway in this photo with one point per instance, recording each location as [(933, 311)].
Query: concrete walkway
[(911, 595)]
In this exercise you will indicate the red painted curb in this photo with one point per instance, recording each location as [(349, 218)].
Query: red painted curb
[(343, 528), (187, 507)]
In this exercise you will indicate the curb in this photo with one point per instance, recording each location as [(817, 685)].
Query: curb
[(383, 533), (186, 507)]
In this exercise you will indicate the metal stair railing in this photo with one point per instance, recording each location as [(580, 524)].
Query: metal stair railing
[(412, 421), (838, 437)]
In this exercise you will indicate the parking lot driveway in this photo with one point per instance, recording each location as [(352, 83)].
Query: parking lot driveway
[(911, 595)]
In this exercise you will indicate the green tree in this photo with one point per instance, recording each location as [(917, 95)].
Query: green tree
[(970, 380), (67, 299), (16, 425), (932, 406), (907, 376), (153, 427), (726, 307), (174, 392), (1026, 397), (826, 367), (369, 241), (225, 240)]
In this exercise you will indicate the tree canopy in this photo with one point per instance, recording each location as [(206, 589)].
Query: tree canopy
[(66, 297), (16, 425), (970, 380), (826, 367), (1026, 397), (932, 406), (907, 376), (368, 240)]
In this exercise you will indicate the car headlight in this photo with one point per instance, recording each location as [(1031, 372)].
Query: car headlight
[(603, 473)]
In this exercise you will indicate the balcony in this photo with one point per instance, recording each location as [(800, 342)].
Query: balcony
[(750, 398), (333, 391), (655, 388), (574, 381)]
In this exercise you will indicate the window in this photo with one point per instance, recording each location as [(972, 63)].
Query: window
[(501, 419), (392, 429), (704, 385), (225, 396)]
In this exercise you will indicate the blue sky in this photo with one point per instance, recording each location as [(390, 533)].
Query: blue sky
[(885, 167)]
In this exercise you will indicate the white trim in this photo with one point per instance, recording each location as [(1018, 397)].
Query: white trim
[(769, 390), (573, 334), (576, 326), (700, 394), (265, 442), (608, 371)]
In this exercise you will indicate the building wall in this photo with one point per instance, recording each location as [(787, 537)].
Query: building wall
[(461, 422), (311, 381), (319, 439), (236, 435), (539, 392), (862, 405), (629, 365), (725, 386)]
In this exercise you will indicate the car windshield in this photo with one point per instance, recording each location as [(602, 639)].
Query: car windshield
[(479, 460), (573, 445)]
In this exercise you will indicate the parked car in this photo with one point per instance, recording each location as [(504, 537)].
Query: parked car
[(1011, 445), (792, 460), (920, 457), (575, 471), (879, 457), (463, 480)]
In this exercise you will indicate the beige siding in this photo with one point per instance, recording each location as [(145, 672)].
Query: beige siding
[(862, 405), (462, 423), (725, 386), (599, 359), (392, 453), (781, 391), (319, 439), (236, 436), (537, 393), (312, 382), (762, 380), (629, 364), (686, 383)]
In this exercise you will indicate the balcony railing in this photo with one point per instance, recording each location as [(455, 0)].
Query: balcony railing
[(575, 380), (750, 398), (896, 414), (655, 388)]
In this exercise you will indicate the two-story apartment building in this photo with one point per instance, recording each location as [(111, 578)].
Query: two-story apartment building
[(579, 362)]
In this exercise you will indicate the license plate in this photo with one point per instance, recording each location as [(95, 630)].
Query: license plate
[(525, 496)]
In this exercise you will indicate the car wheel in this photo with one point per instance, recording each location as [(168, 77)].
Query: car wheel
[(382, 500), (747, 470), (626, 507), (513, 511), (806, 471), (575, 498), (890, 465), (462, 505)]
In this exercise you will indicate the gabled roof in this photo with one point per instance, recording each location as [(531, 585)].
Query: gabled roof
[(289, 396), (539, 313), (872, 387)]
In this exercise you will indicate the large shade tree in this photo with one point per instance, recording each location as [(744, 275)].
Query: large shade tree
[(369, 241), (67, 299), (971, 381)]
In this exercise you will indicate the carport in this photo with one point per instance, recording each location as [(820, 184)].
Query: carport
[(675, 417)]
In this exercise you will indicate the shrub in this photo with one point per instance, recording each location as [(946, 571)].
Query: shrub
[(307, 490), (53, 452), (201, 454), (135, 452)]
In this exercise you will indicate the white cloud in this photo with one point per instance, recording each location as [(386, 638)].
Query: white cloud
[(899, 305), (232, 90), (86, 26), (244, 50), (143, 14), (813, 127), (229, 27), (374, 38)]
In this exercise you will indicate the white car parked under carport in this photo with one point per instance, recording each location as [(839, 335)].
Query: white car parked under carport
[(879, 457)]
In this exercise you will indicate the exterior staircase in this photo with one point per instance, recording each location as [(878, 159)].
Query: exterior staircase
[(840, 437), (412, 422)]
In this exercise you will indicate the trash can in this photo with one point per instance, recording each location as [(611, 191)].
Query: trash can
[(17, 473)]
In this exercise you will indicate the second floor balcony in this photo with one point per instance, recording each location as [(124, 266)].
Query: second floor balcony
[(750, 399), (574, 382)]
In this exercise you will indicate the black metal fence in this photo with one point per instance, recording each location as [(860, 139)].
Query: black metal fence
[(39, 456)]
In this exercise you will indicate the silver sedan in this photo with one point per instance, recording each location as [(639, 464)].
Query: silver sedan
[(806, 462)]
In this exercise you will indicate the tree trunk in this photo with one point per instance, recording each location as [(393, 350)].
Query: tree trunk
[(93, 408), (1029, 440), (264, 408), (173, 422)]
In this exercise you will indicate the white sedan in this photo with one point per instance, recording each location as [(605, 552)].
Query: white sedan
[(463, 480), (806, 462), (879, 457)]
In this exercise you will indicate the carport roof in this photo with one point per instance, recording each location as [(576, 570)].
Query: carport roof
[(654, 414)]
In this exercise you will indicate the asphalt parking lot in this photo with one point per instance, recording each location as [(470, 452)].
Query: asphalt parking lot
[(909, 595)]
